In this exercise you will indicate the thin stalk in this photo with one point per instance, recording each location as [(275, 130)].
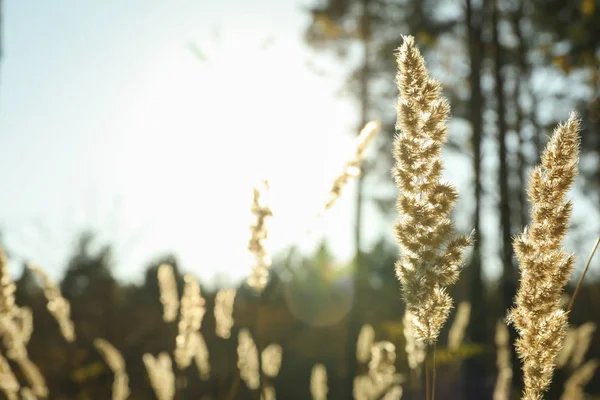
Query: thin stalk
[(180, 384), (587, 266), (259, 344), (234, 388), (433, 373), (427, 378)]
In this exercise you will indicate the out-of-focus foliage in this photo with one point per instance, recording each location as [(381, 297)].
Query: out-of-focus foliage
[(305, 314)]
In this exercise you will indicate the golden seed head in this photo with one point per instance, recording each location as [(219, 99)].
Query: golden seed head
[(545, 267), (168, 292), (432, 255), (318, 382)]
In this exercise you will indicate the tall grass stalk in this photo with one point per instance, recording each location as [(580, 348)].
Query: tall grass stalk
[(545, 268), (432, 254), (585, 270)]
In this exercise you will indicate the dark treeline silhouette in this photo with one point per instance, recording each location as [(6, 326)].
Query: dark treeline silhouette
[(304, 309)]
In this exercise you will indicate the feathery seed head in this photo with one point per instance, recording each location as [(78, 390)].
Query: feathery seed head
[(248, 359), (7, 286), (27, 394), (577, 381), (365, 343), (33, 376), (459, 326), (160, 372), (168, 292), (382, 379), (258, 237), (352, 168), (415, 349), (116, 363), (545, 268), (9, 384), (318, 382), (201, 355), (432, 255), (59, 307), (224, 301), (503, 381), (191, 313), (271, 360)]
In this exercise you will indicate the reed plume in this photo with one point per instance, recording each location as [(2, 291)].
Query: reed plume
[(383, 359), (382, 379), (432, 253), (201, 356), (268, 393), (248, 359), (574, 387), (545, 267), (503, 363), (415, 349), (59, 307), (569, 343), (271, 360), (27, 394), (224, 301), (459, 326), (168, 292), (191, 314), (395, 393), (160, 372), (364, 343), (7, 286), (13, 341), (116, 363), (23, 318), (33, 376), (258, 237), (9, 385), (15, 328), (584, 338), (12, 338), (352, 168), (318, 382)]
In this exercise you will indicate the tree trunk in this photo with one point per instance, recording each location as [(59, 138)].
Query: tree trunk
[(359, 274), (364, 110), (508, 280), (522, 79), (474, 376)]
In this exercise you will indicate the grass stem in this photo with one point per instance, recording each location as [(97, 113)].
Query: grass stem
[(433, 373), (587, 266), (427, 376)]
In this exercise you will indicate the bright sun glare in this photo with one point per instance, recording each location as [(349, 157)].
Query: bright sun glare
[(203, 133)]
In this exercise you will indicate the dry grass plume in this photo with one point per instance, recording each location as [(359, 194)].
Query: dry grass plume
[(545, 267), (258, 237), (168, 292), (318, 382), (160, 372), (192, 312), (58, 306), (432, 255), (116, 363), (224, 302)]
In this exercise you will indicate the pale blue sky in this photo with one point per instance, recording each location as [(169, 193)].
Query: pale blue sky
[(108, 121)]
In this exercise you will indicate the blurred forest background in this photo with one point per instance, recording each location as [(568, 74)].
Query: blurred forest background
[(511, 69)]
